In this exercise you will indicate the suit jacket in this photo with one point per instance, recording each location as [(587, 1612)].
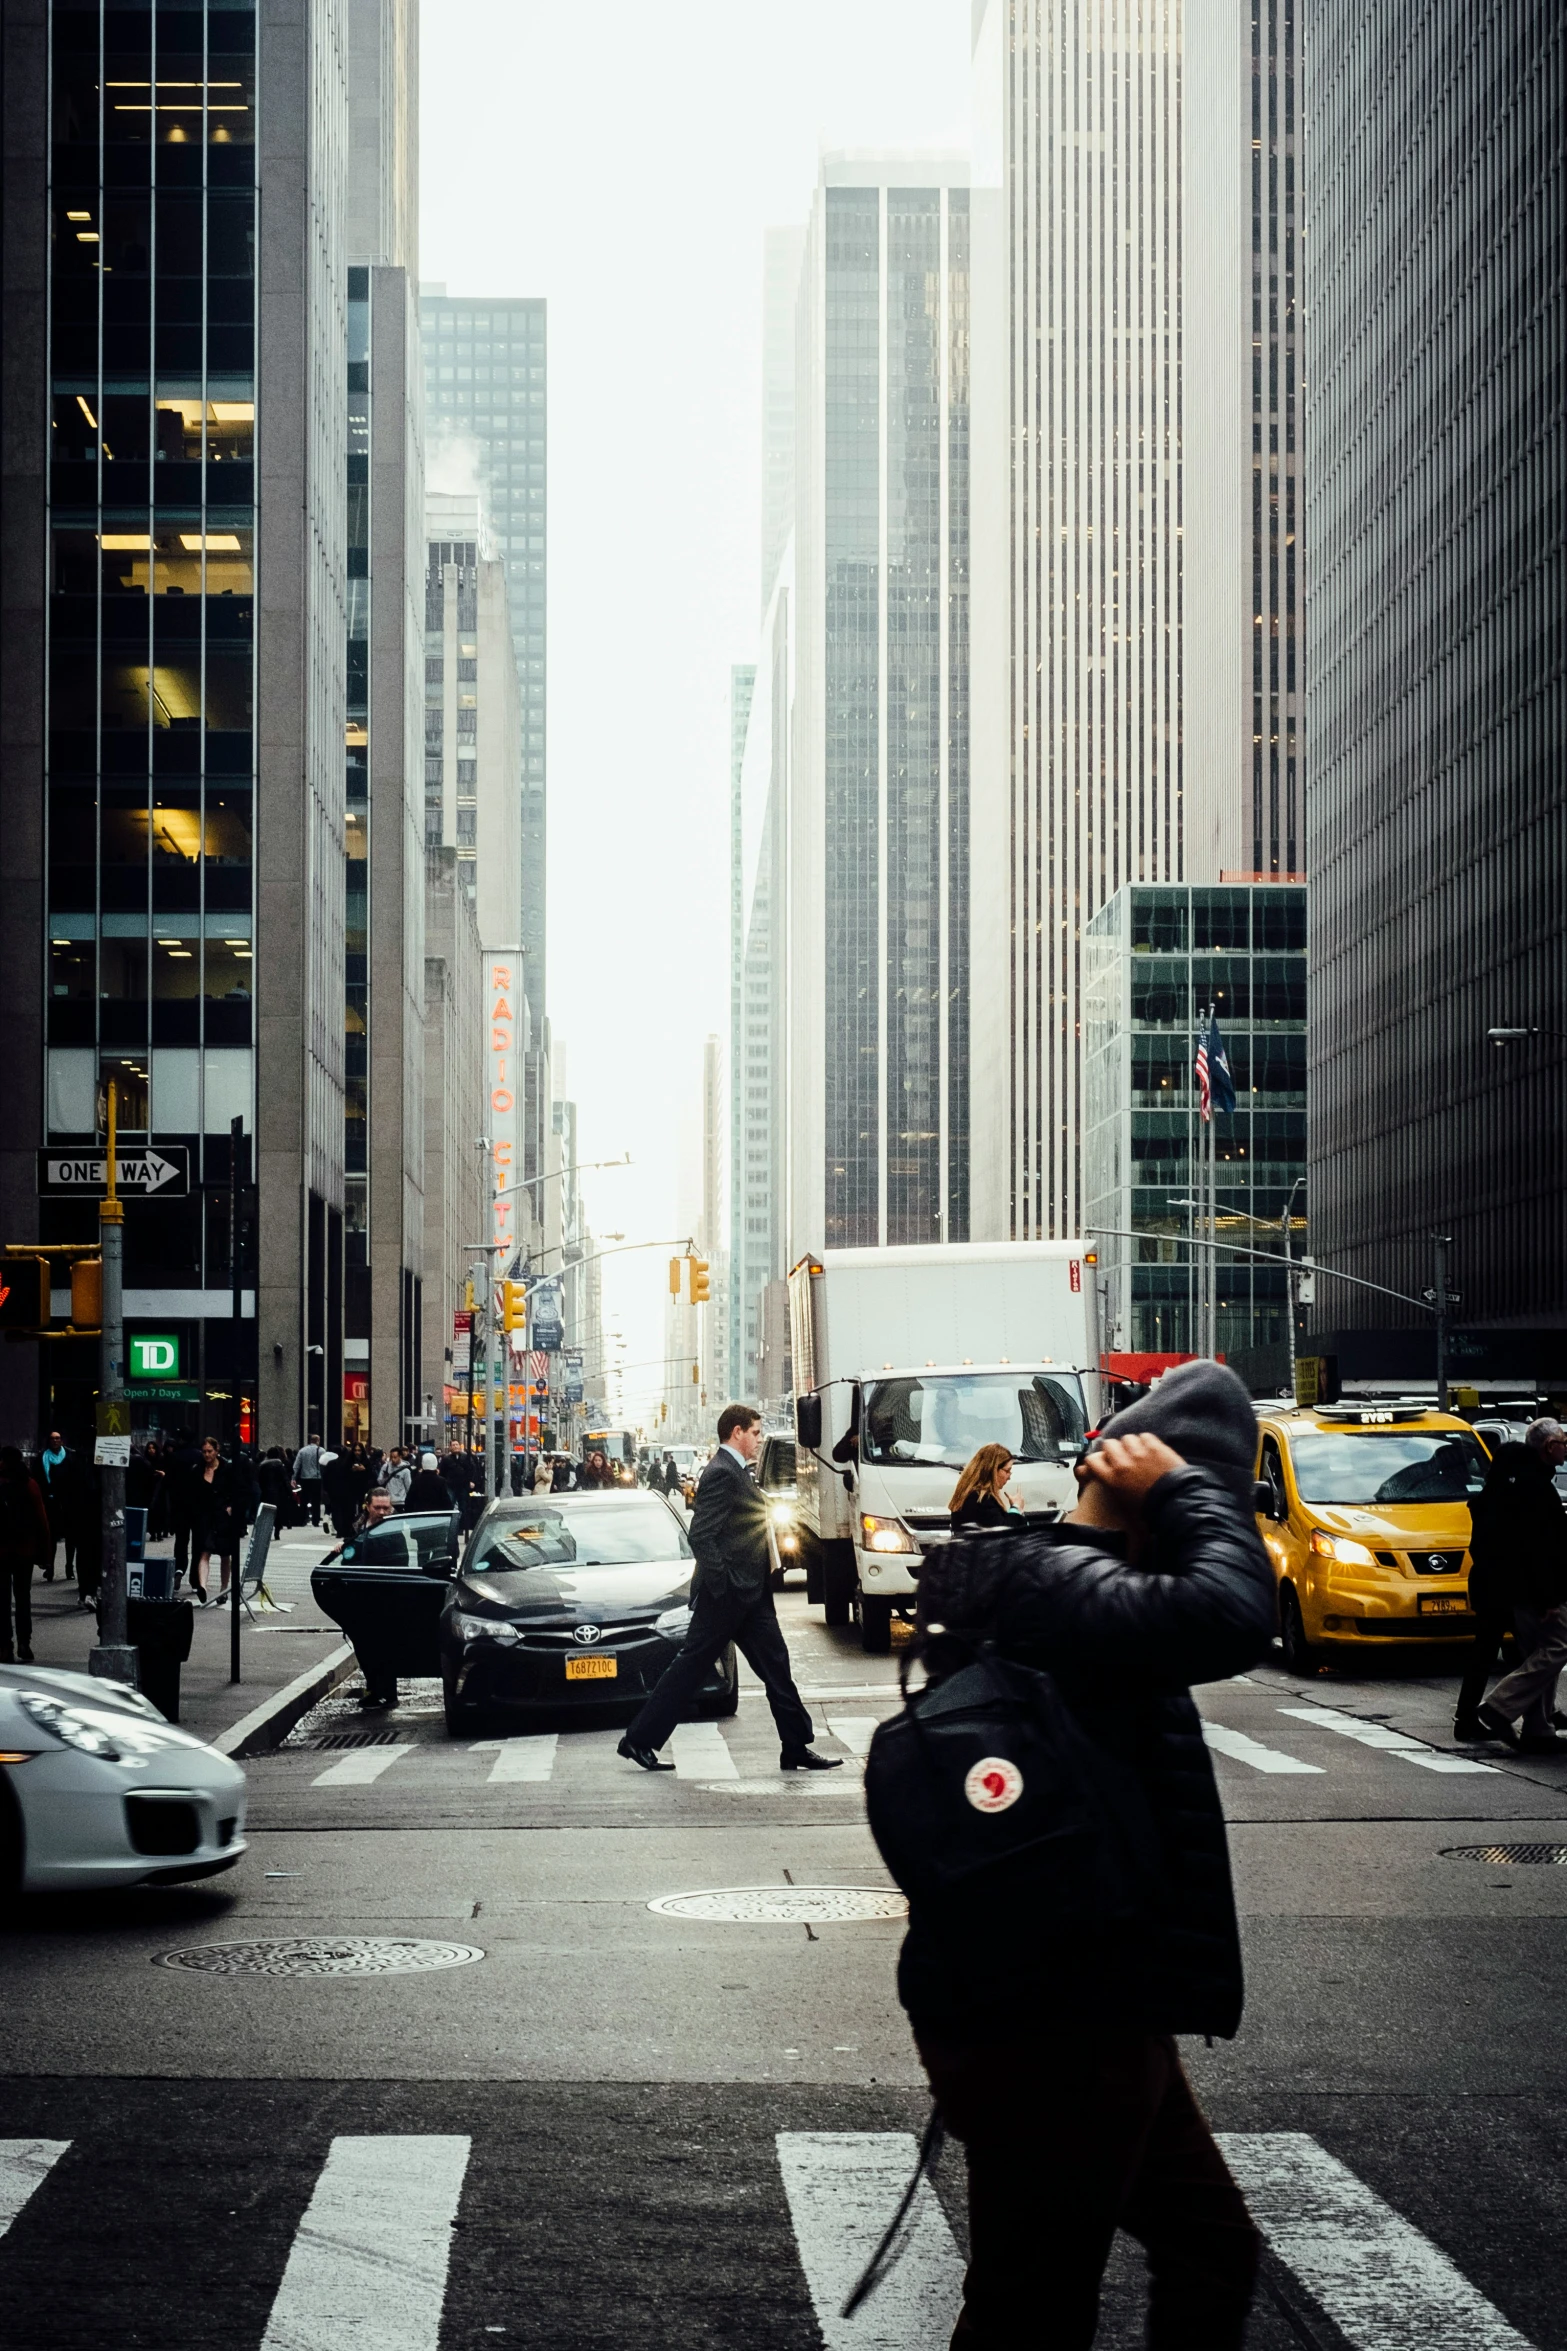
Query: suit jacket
[(729, 1526)]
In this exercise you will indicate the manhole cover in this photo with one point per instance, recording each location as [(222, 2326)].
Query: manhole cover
[(354, 1739), (813, 1784), (784, 1905), (1507, 1856), (318, 1955)]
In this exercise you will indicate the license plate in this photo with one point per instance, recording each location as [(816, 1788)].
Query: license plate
[(1443, 1604), (592, 1669)]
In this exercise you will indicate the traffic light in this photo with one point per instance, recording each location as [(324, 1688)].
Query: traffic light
[(696, 1374), (699, 1284), (87, 1293), (24, 1293), (514, 1306), (674, 1277)]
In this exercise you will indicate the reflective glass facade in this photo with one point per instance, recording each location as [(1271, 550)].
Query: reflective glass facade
[(1154, 959), (894, 454), (1436, 450)]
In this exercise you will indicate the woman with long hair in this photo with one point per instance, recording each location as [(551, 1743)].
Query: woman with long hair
[(982, 1497)]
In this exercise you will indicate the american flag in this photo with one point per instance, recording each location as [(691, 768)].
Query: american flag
[(1215, 1086)]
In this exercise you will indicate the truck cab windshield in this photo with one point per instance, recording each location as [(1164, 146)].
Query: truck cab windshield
[(940, 1420)]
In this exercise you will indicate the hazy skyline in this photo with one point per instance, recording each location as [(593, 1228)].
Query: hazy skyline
[(624, 167)]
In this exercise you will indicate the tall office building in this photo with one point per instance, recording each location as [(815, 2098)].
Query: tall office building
[(742, 685), (1079, 785), (485, 382), (1243, 607), (472, 720), (1436, 722), (172, 674), (878, 820), (782, 251)]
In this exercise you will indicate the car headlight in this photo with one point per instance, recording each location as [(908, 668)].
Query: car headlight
[(487, 1628), (1340, 1547), (674, 1624), (884, 1534), (72, 1725), (783, 1514)]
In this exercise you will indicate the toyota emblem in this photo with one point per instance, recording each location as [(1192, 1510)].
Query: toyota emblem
[(587, 1634)]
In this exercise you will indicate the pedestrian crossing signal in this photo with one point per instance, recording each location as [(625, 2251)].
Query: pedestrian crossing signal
[(24, 1293)]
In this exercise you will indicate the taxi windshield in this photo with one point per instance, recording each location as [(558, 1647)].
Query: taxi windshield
[(610, 1533), (1388, 1466)]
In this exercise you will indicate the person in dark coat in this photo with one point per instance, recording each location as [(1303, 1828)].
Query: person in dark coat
[(275, 1484), (1518, 1550), (1067, 2090), (26, 1542), (214, 1497), (731, 1600), (427, 1487), (981, 1498)]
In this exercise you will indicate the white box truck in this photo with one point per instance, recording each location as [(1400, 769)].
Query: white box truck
[(906, 1361)]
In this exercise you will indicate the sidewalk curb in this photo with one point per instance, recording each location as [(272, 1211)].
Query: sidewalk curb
[(268, 1724)]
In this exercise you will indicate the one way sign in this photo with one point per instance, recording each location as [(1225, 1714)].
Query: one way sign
[(81, 1174)]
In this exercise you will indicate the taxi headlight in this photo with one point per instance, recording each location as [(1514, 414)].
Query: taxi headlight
[(1339, 1547), (487, 1628), (884, 1534)]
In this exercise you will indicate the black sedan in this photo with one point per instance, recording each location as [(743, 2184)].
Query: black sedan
[(387, 1588), (570, 1600)]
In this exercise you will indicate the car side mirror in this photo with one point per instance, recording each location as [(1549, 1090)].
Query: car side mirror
[(442, 1568), (808, 1421), (1265, 1499)]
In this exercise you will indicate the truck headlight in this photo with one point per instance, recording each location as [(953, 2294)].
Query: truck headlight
[(884, 1534)]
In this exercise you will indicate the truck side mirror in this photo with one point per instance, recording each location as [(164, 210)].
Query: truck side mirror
[(808, 1421)]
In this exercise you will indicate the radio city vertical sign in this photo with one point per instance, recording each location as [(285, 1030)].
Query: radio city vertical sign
[(506, 1033)]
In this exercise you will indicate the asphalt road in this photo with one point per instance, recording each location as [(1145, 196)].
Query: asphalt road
[(623, 2124)]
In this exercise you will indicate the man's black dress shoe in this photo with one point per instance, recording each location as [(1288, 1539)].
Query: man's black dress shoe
[(804, 1759), (648, 1757)]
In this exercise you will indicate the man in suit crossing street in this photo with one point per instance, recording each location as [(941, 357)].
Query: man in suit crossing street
[(731, 1600)]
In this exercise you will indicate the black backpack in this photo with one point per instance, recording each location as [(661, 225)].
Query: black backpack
[(1026, 1850)]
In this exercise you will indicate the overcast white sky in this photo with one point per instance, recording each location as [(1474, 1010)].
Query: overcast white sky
[(623, 160)]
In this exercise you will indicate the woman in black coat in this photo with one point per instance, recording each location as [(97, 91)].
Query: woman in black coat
[(214, 1496), (982, 1497)]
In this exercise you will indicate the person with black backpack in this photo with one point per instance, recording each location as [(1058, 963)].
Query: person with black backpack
[(1047, 1804)]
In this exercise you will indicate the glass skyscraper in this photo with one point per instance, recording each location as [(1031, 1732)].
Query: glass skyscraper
[(485, 382)]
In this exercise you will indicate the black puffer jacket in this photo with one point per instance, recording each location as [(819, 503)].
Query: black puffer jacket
[(1122, 1644), (1519, 1543)]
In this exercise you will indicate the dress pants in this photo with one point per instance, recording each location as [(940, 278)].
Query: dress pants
[(1492, 1626), (718, 1617), (1530, 1689), (310, 1499), (1067, 2142)]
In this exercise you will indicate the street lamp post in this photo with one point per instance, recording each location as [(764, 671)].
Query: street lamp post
[(1289, 1274)]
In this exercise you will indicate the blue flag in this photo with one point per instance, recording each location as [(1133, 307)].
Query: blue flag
[(1215, 1085)]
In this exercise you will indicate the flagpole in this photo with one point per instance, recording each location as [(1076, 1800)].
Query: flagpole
[(1210, 1319)]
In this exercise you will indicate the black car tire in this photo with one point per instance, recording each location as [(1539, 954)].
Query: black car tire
[(875, 1627), (720, 1709), (13, 1846), (838, 1582), (1300, 1655), (461, 1721)]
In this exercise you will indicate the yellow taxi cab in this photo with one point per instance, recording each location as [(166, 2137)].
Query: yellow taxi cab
[(1367, 1524)]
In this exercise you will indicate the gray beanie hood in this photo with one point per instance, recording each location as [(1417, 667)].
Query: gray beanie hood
[(1202, 1412)]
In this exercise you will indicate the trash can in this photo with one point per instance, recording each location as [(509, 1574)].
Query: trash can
[(160, 1633)]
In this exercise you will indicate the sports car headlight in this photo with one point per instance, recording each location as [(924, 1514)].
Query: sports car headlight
[(73, 1725), (674, 1624), (487, 1628)]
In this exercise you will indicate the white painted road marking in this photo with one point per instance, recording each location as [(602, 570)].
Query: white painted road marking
[(367, 2269), (701, 1752), (520, 1759), (854, 1730), (843, 2188), (24, 2165), (359, 1769), (1377, 1735), (1240, 1749), (1384, 2285)]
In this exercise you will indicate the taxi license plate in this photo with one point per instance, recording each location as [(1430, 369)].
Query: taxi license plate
[(1442, 1604), (592, 1669)]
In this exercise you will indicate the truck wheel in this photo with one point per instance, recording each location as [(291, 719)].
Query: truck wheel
[(1300, 1655), (813, 1574), (838, 1582), (876, 1627)]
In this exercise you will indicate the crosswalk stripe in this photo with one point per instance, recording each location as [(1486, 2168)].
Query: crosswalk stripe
[(1377, 1735), (24, 2165), (527, 1758), (702, 1752), (843, 2188), (367, 2268), (1384, 2285), (1241, 1749), (854, 1730), (360, 1768)]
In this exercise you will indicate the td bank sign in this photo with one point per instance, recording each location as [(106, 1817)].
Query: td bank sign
[(154, 1355)]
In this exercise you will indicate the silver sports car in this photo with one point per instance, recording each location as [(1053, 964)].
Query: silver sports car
[(96, 1789)]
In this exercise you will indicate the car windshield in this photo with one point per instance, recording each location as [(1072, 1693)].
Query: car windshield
[(940, 1421), (581, 1534), (1388, 1465)]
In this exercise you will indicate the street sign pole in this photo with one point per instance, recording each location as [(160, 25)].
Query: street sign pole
[(1440, 1303), (236, 1140), (113, 1657)]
